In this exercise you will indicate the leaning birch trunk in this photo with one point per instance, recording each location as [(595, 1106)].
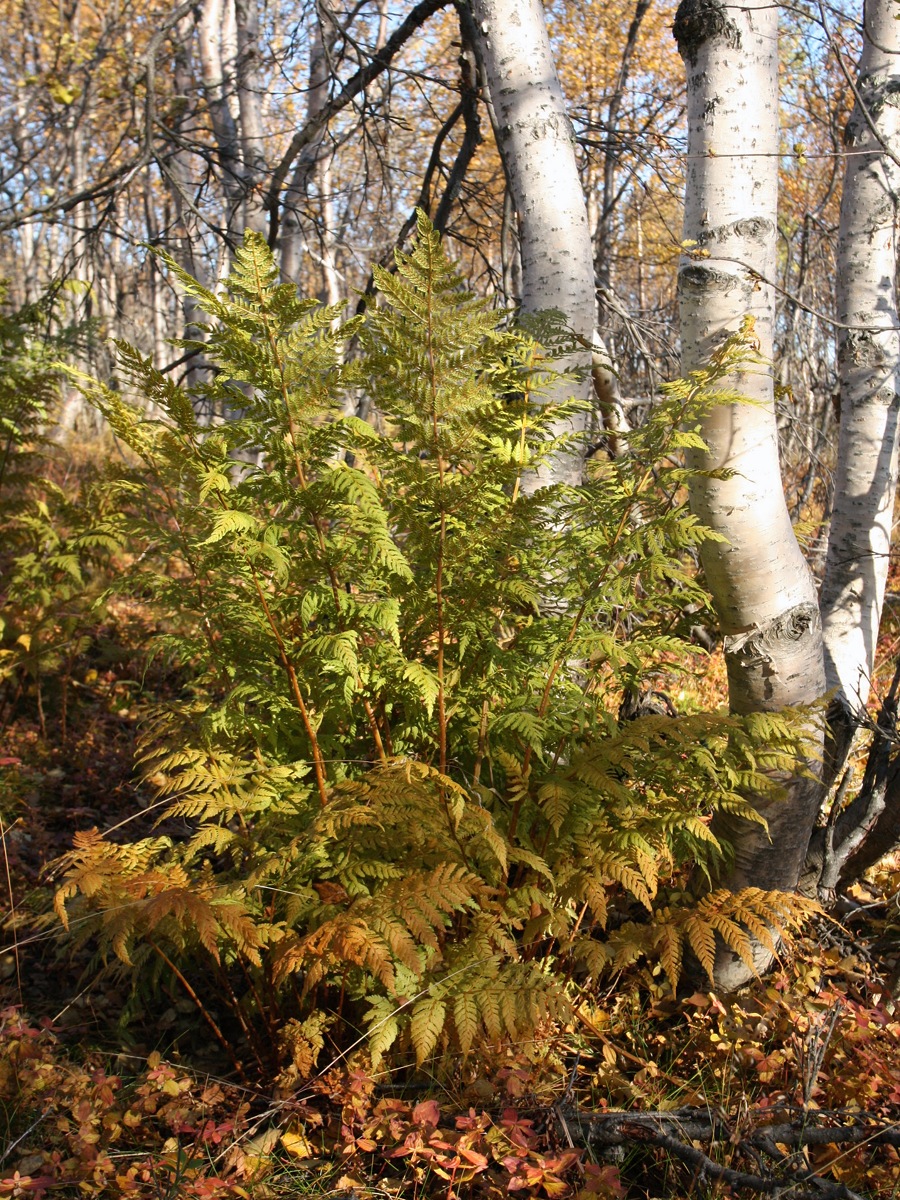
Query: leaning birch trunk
[(538, 148), (859, 541), (852, 592), (762, 590)]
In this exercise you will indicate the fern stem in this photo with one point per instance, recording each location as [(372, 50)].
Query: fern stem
[(199, 583), (318, 761), (204, 1012), (373, 725), (388, 739), (265, 1012), (439, 595), (523, 432), (442, 541), (560, 656), (235, 1004), (595, 586)]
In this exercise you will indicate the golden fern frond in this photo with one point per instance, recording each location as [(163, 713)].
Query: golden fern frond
[(624, 873), (555, 800), (238, 925), (731, 933), (670, 947), (594, 955), (738, 918), (702, 939), (340, 942), (426, 1025), (403, 945), (466, 1019), (187, 910)]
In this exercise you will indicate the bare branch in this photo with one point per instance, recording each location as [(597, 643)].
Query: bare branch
[(351, 89)]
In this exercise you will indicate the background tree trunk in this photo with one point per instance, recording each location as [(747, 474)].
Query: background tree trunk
[(868, 363), (762, 590), (538, 148), (309, 162), (856, 567)]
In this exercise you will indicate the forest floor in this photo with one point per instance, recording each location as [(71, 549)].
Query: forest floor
[(792, 1084)]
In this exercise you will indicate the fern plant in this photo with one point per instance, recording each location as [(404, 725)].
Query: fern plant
[(409, 796), (44, 545)]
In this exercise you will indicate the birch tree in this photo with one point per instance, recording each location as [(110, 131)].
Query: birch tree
[(856, 567), (868, 363), (312, 165), (763, 592), (537, 144)]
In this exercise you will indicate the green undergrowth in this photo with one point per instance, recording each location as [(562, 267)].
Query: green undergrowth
[(45, 544)]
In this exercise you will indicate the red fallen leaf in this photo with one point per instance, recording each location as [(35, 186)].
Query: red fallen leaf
[(473, 1158), (10, 762), (477, 1123), (698, 1000), (411, 1144), (34, 1184), (427, 1112), (602, 1181), (519, 1130)]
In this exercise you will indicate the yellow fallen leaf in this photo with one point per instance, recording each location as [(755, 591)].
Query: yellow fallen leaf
[(297, 1144)]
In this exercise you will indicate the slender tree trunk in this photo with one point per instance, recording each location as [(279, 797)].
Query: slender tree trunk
[(188, 248), (250, 100), (538, 149), (292, 235), (217, 65), (612, 153), (763, 592), (869, 366)]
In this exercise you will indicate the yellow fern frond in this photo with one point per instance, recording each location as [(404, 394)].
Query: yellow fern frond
[(426, 1026)]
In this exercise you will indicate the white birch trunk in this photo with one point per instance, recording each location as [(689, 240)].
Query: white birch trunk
[(859, 541), (763, 591), (250, 92), (217, 63), (293, 240), (538, 148)]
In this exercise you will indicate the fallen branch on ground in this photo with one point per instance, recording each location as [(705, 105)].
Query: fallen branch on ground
[(674, 1131)]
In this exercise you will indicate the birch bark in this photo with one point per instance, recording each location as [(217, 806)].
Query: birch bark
[(763, 592), (859, 541), (219, 86), (309, 160), (537, 144), (250, 95)]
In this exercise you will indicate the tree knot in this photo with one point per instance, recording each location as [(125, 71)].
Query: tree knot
[(699, 21), (754, 647)]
